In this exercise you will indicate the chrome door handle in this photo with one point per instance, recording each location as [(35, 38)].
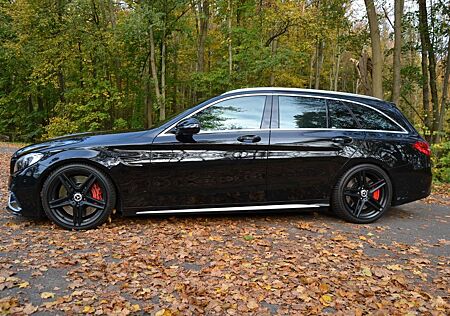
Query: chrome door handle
[(249, 138), (342, 140)]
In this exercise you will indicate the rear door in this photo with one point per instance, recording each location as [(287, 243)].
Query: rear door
[(311, 139)]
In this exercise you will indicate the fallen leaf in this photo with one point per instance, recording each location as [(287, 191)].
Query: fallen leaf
[(47, 295)]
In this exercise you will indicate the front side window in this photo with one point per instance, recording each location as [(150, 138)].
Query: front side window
[(236, 113), (371, 119), (302, 112)]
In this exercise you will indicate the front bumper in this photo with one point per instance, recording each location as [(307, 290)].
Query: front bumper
[(24, 195), (13, 204)]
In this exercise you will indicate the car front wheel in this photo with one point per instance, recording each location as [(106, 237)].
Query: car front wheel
[(362, 194), (78, 196)]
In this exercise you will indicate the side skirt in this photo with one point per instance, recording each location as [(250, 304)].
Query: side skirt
[(234, 208)]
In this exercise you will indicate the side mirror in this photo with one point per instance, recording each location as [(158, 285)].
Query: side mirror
[(187, 127)]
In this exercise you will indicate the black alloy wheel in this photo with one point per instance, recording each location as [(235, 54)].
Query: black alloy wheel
[(78, 196), (362, 194)]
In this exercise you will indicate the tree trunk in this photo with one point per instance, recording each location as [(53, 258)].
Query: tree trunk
[(424, 30), (444, 93), (162, 102), (396, 81), (203, 10), (425, 81), (230, 46), (319, 60), (153, 66), (377, 54), (336, 74), (274, 47)]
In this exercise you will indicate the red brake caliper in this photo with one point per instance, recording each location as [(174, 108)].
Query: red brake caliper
[(376, 195), (96, 192)]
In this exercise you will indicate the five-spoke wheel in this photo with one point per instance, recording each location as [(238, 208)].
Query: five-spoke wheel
[(362, 194), (78, 196)]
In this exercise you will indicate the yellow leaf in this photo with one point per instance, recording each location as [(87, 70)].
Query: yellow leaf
[(366, 271), (394, 267), (362, 238), (24, 285), (47, 295), (136, 307), (326, 299), (88, 309), (163, 312)]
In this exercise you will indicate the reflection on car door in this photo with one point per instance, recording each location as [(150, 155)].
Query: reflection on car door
[(224, 164), (304, 154)]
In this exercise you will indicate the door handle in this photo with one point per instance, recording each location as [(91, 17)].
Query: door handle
[(342, 140), (249, 138)]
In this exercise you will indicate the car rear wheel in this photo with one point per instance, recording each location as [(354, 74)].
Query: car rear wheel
[(362, 194), (78, 196)]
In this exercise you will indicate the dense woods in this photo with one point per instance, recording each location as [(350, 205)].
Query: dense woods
[(84, 65)]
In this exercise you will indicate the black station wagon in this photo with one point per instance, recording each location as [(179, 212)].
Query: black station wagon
[(248, 149)]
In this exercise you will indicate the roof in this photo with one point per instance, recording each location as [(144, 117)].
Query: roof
[(280, 89)]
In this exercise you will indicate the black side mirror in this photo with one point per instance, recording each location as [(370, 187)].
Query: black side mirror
[(188, 126)]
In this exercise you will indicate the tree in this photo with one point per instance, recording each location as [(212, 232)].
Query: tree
[(396, 80), (377, 53)]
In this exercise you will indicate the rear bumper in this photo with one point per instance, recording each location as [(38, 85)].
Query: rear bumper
[(411, 185)]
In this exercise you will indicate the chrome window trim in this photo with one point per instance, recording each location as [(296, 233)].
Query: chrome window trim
[(404, 131)]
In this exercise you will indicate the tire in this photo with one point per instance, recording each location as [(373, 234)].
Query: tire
[(362, 194), (78, 196)]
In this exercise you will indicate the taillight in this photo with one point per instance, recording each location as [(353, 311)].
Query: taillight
[(423, 147)]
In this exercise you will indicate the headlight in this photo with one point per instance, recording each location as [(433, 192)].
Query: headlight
[(26, 161)]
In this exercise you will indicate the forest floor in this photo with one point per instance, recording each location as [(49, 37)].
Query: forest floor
[(252, 264)]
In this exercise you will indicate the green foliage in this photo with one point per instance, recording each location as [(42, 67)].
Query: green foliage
[(441, 161), (59, 126)]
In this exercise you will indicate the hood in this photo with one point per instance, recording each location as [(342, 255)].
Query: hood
[(90, 139)]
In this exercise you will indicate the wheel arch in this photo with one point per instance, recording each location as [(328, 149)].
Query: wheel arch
[(85, 161)]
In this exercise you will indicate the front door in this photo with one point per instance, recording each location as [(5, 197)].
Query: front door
[(223, 164)]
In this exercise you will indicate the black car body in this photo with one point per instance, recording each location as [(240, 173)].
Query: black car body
[(256, 148)]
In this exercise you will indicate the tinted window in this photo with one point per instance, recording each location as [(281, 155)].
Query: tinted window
[(302, 112), (340, 115), (371, 119), (236, 113)]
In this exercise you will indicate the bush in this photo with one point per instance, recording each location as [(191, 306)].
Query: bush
[(59, 126), (441, 161)]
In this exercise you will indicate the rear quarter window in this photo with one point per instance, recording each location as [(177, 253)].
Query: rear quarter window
[(371, 119)]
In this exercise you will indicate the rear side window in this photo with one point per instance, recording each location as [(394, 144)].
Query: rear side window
[(340, 115), (371, 119), (302, 112)]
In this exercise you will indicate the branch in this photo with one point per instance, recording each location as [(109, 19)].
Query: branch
[(387, 17), (414, 109), (279, 33)]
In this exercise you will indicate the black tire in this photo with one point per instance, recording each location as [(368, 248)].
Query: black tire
[(78, 196), (362, 194)]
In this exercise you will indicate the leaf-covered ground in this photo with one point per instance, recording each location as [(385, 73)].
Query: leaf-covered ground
[(252, 264)]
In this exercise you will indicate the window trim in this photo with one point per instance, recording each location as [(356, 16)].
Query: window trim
[(277, 104), (274, 122), (267, 103)]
